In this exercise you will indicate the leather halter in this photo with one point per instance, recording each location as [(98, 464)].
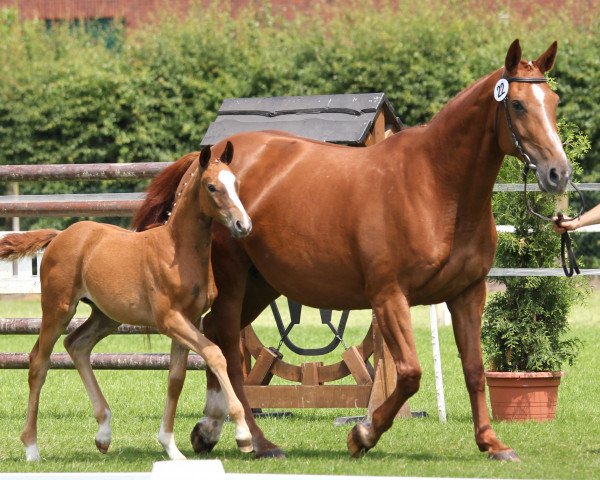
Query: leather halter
[(567, 254)]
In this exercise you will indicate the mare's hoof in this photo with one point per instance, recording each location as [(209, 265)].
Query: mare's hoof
[(245, 446), (271, 453), (504, 456), (102, 447), (355, 444), (199, 443)]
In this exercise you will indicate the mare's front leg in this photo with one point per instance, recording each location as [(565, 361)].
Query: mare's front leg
[(393, 316), (466, 310), (80, 344)]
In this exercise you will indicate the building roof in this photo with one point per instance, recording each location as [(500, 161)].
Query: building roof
[(345, 119)]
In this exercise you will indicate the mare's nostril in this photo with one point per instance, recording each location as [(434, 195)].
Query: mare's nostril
[(553, 176), (238, 226)]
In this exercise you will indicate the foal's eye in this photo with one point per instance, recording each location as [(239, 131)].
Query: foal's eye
[(211, 188), (517, 106)]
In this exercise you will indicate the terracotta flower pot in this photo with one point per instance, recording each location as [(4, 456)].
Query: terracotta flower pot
[(523, 395)]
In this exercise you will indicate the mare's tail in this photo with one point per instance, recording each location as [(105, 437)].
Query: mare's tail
[(17, 245)]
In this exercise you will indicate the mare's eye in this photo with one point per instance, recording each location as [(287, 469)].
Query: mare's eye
[(517, 106), (211, 188)]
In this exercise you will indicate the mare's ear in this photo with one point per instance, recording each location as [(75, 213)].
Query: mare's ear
[(204, 157), (546, 60), (227, 155), (513, 56)]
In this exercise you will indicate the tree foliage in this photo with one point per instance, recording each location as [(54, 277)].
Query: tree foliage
[(67, 97)]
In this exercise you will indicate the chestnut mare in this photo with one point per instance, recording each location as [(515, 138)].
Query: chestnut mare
[(407, 221), (160, 278)]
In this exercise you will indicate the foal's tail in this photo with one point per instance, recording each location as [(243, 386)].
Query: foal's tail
[(17, 245)]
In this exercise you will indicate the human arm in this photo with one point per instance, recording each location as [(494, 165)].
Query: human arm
[(591, 217)]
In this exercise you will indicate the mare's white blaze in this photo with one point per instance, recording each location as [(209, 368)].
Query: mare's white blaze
[(32, 454), (104, 432), (167, 440), (227, 178), (540, 95)]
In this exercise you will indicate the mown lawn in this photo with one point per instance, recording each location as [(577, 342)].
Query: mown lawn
[(568, 447)]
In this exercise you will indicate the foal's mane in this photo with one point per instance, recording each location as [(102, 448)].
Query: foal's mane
[(160, 194)]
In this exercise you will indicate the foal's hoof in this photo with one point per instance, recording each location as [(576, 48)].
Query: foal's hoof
[(504, 456), (199, 443), (271, 453), (102, 447), (356, 441), (245, 446)]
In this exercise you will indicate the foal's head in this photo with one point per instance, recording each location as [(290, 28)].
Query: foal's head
[(219, 192), (530, 106)]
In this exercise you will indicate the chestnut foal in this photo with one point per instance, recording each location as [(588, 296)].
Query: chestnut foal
[(161, 278)]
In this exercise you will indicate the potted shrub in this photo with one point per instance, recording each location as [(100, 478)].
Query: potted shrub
[(525, 327)]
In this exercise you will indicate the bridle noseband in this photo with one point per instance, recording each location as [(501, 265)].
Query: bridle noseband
[(501, 96)]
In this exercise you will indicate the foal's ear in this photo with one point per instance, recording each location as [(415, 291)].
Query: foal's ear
[(204, 157), (546, 60), (227, 155), (513, 56)]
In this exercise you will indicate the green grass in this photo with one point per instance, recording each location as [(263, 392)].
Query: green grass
[(568, 447)]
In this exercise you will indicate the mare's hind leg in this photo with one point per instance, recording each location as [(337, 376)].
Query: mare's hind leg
[(181, 330), (56, 315), (466, 312), (258, 295), (393, 316), (177, 373), (80, 344)]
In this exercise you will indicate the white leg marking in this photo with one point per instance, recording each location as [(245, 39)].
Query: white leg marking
[(215, 411), (227, 178), (32, 454), (167, 440), (104, 434)]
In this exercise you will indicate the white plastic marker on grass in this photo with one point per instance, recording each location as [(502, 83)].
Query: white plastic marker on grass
[(188, 470), (437, 365)]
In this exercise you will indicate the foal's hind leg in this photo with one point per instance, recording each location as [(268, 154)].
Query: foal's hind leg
[(393, 316), (55, 318), (466, 312), (184, 332), (80, 344)]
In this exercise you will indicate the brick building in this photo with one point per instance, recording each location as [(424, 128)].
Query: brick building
[(135, 12), (132, 12)]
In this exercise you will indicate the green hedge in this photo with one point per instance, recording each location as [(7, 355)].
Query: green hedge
[(67, 98)]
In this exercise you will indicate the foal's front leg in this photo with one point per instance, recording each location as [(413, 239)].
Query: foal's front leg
[(181, 330), (466, 310), (177, 374)]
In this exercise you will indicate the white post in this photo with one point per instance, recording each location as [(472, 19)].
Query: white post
[(437, 365)]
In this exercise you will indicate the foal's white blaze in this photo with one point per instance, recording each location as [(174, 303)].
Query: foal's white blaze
[(540, 95), (228, 180)]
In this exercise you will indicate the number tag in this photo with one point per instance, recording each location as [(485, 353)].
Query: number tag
[(501, 90)]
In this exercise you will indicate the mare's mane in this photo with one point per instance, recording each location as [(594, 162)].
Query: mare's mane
[(161, 194)]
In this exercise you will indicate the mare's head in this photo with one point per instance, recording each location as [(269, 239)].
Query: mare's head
[(219, 192), (529, 110)]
